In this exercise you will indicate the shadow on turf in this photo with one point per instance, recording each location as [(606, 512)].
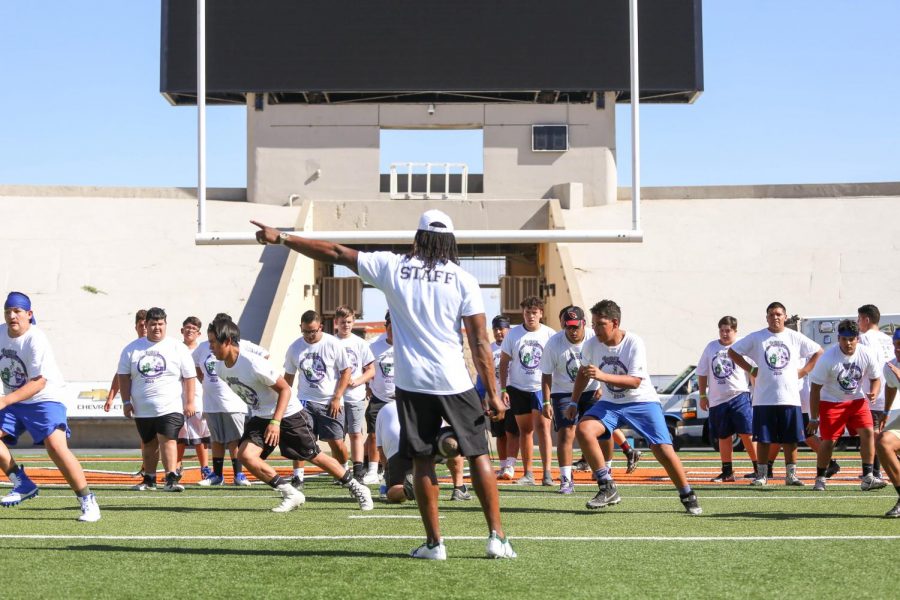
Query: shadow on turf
[(781, 516), (224, 551)]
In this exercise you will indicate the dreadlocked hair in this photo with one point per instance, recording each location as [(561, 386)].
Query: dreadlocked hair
[(434, 248)]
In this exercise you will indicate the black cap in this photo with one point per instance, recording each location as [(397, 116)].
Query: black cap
[(573, 316), (500, 322)]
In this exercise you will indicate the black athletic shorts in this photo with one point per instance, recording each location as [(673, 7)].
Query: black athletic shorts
[(507, 425), (522, 403), (397, 467), (165, 425), (420, 420), (372, 410), (297, 440)]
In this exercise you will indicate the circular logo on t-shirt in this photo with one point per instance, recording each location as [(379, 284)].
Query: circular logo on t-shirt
[(209, 365), (614, 366), (386, 364), (573, 364), (244, 392), (849, 377), (353, 359), (12, 370), (313, 368), (778, 355), (151, 365), (722, 366), (530, 353)]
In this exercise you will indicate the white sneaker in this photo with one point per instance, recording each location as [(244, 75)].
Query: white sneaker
[(819, 486), (792, 480), (870, 482), (90, 510), (506, 473), (371, 478), (759, 481), (362, 494), (497, 548), (426, 552), (291, 498)]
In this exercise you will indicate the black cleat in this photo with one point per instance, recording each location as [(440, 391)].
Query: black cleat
[(607, 495)]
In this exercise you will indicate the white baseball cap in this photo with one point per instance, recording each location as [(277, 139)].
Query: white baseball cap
[(435, 220)]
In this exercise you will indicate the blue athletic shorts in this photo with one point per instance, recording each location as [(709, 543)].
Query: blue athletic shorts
[(522, 403), (778, 424), (39, 420), (729, 418), (562, 401), (646, 418)]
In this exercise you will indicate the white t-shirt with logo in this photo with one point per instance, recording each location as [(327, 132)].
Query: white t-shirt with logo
[(628, 358), (320, 366), (427, 308), (881, 346), (217, 396), (495, 355), (157, 370), (561, 361), (725, 380), (387, 430), (382, 385), (779, 356), (842, 376), (251, 379), (889, 378), (25, 357), (525, 350), (360, 355)]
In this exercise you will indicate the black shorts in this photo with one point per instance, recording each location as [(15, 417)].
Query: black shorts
[(167, 426), (372, 410), (522, 403), (420, 421), (297, 441), (507, 425), (397, 467)]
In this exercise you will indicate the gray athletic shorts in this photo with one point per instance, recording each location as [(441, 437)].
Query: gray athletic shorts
[(225, 427), (324, 426), (354, 416)]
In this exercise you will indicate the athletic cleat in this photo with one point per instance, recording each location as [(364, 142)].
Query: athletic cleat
[(581, 465), (460, 494), (792, 480), (23, 489), (870, 482), (506, 474), (833, 469), (819, 485), (361, 493), (428, 552), (290, 498), (894, 512), (144, 486), (499, 548), (749, 476), (172, 484), (691, 504), (566, 486), (526, 479), (547, 481), (205, 472), (90, 510), (240, 480), (607, 495), (409, 489), (633, 457), (212, 480), (759, 481), (297, 483), (723, 478), (371, 479)]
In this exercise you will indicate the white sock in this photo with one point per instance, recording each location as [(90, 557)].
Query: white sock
[(566, 472), (511, 463), (298, 472), (791, 469), (373, 468)]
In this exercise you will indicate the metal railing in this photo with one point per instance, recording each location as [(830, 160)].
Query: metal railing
[(428, 194)]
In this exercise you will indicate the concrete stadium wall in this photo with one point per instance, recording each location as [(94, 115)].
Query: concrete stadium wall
[(706, 257)]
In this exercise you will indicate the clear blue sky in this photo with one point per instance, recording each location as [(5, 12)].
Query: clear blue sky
[(797, 91)]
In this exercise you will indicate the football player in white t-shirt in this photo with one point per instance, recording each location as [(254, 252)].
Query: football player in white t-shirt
[(777, 353), (520, 386), (381, 392), (32, 386), (194, 432), (140, 328), (887, 444), (431, 299), (879, 343), (362, 364), (618, 360)]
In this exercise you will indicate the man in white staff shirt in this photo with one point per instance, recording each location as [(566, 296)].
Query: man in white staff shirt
[(382, 392), (880, 345), (777, 412), (156, 380), (362, 365), (430, 298), (520, 386), (725, 393), (837, 400), (276, 419)]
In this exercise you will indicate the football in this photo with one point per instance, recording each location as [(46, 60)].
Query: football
[(447, 444)]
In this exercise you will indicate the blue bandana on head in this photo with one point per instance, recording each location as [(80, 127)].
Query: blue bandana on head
[(19, 300), (897, 335)]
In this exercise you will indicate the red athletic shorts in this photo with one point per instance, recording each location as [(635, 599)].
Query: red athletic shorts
[(834, 416)]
